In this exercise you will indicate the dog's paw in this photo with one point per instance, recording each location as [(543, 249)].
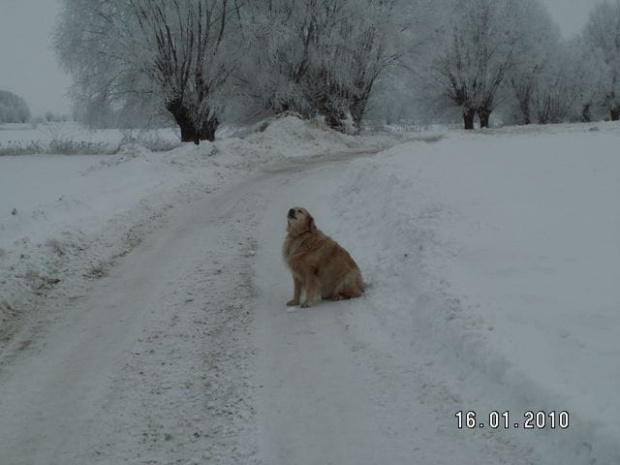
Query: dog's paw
[(306, 305), (292, 303)]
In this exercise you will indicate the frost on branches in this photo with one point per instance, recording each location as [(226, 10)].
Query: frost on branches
[(177, 55), (602, 35), (196, 63)]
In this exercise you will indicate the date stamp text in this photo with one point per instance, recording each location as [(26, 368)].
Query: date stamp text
[(530, 420)]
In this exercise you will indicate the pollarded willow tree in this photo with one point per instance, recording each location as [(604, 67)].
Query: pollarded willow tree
[(320, 56), (178, 55), (602, 34), (539, 40), (587, 74), (479, 50), (567, 85), (554, 96)]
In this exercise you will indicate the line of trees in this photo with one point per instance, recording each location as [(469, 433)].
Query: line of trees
[(200, 62), (510, 53), (197, 59)]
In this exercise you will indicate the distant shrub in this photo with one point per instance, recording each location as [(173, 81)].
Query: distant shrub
[(12, 148), (68, 146), (59, 146), (13, 108)]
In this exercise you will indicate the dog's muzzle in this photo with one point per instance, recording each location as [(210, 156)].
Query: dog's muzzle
[(291, 213)]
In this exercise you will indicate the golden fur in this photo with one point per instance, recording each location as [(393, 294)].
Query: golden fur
[(320, 267)]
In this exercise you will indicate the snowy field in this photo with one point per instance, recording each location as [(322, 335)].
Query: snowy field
[(153, 283), (44, 132), (73, 139)]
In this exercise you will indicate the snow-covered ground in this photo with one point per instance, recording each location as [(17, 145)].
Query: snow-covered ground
[(143, 296), (68, 217), (507, 248)]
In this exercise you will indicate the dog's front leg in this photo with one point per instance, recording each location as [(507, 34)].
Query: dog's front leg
[(297, 293), (312, 287)]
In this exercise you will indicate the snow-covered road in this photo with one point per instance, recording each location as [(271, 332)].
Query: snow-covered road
[(156, 364), (129, 373)]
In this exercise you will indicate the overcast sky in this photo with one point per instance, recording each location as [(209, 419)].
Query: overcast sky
[(28, 66), (571, 15)]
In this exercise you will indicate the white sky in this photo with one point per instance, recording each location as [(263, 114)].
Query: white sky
[(571, 15), (28, 66)]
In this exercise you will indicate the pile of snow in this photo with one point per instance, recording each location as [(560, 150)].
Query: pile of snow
[(279, 140), (499, 253), (286, 133), (64, 219)]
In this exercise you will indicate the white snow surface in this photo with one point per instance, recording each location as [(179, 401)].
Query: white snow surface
[(508, 247), (63, 217), (142, 300)]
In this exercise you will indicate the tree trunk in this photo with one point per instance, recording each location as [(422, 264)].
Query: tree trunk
[(483, 115), (468, 118), (523, 89), (524, 106), (358, 108), (525, 109), (615, 114), (190, 132), (359, 102), (334, 121), (207, 131), (586, 115)]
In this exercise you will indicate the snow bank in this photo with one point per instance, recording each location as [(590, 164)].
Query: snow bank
[(498, 252)]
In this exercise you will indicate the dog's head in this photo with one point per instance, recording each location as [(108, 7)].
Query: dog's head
[(299, 221)]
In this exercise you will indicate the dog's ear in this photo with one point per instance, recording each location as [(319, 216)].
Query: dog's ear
[(311, 225)]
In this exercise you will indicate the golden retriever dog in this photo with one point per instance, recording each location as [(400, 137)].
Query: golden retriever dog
[(320, 267)]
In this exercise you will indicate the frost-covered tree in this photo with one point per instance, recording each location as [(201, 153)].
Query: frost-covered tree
[(369, 47), (539, 39), (13, 108), (320, 56), (602, 34), (586, 71), (175, 55), (473, 64), (345, 67), (483, 42), (553, 96), (565, 86)]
